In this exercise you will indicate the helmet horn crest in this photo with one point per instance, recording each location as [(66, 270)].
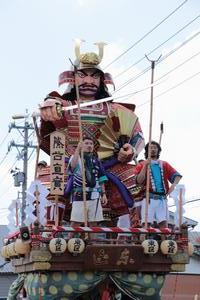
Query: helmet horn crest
[(101, 48), (77, 48)]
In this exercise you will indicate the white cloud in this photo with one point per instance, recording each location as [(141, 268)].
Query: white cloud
[(87, 3)]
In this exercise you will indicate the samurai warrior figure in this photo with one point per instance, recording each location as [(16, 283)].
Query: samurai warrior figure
[(113, 127)]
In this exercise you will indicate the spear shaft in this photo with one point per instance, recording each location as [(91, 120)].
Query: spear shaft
[(161, 133), (82, 157), (150, 138)]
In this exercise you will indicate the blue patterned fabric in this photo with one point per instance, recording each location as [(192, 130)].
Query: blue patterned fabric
[(139, 286), (61, 285), (71, 285), (16, 286)]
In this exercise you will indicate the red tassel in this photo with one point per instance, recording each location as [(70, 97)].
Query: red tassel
[(105, 295)]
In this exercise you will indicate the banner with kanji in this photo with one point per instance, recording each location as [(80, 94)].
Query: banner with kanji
[(57, 152)]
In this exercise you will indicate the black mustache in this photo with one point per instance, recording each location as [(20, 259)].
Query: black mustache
[(88, 86)]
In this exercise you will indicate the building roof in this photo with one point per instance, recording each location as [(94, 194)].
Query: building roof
[(194, 238), (4, 266), (190, 222)]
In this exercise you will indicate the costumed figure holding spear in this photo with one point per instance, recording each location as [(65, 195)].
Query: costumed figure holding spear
[(154, 176), (87, 173)]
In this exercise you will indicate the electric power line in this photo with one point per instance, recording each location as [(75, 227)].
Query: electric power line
[(5, 263), (146, 34), (157, 47), (6, 191), (161, 60), (178, 84), (187, 202), (169, 72), (18, 140), (4, 158), (173, 87), (164, 75), (195, 206), (178, 66), (4, 139), (4, 214), (4, 177), (31, 155)]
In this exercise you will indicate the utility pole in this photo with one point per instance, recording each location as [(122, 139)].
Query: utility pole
[(23, 154)]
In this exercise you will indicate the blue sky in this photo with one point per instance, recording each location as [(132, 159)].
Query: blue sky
[(37, 40)]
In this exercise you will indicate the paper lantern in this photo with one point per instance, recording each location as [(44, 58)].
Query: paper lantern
[(168, 247), (76, 246), (11, 250), (4, 252), (57, 245), (190, 249), (150, 246), (21, 247)]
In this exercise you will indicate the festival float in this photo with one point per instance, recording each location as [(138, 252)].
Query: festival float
[(56, 261)]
